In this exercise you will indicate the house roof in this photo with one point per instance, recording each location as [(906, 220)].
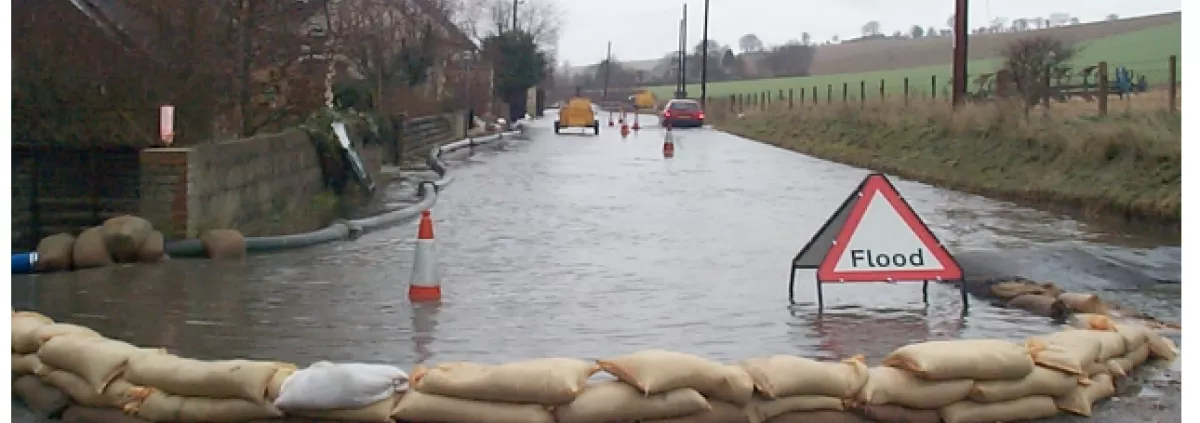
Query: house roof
[(457, 35)]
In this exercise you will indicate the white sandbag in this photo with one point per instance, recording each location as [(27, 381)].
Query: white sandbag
[(27, 364), (656, 371), (546, 381), (979, 359), (334, 386), (1041, 382), (97, 360), (379, 412), (416, 406), (785, 375), (162, 407), (889, 385), (1022, 409), (188, 377), (275, 386), (615, 401), (721, 412), (1080, 401), (761, 410), (24, 331)]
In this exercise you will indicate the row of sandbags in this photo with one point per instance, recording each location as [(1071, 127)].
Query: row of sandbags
[(125, 239), (961, 381), (1048, 299)]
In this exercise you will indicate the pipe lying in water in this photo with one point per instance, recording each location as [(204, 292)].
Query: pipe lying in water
[(350, 229)]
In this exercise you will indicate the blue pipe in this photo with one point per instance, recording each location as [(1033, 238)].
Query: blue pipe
[(23, 263)]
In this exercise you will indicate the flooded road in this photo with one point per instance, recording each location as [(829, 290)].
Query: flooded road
[(586, 246)]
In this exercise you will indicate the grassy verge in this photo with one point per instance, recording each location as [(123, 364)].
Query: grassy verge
[(1126, 165)]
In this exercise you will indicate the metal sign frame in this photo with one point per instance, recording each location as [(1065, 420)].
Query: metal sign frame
[(818, 249)]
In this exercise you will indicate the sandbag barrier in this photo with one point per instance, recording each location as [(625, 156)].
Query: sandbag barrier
[(71, 372)]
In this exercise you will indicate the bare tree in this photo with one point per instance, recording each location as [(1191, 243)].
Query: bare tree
[(806, 38), (917, 31), (870, 28), (1020, 24), (1111, 17), (540, 18), (750, 43), (1032, 63), (1059, 19), (998, 24)]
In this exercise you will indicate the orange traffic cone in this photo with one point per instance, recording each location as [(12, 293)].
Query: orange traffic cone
[(424, 285), (610, 116), (636, 126), (669, 144), (624, 130), (622, 120)]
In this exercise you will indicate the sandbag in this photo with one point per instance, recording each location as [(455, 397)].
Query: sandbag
[(1080, 401), (614, 401), (761, 410), (24, 331), (818, 416), (1040, 382), (979, 359), (124, 394), (1092, 321), (90, 250), (785, 375), (42, 398), (1160, 346), (721, 412), (124, 236), (888, 413), (889, 385), (78, 414), (1028, 408), (1041, 305), (1134, 336), (546, 381), (242, 379), (1064, 351), (1132, 359), (153, 250), (29, 364), (379, 412), (1013, 289), (1095, 368), (54, 253), (416, 406), (78, 389), (1083, 303), (47, 332), (1112, 344), (337, 386), (224, 244), (275, 386), (97, 360), (656, 371), (163, 407)]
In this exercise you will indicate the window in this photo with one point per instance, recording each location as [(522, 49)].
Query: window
[(685, 105)]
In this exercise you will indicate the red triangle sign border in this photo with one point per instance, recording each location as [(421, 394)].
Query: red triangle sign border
[(878, 183)]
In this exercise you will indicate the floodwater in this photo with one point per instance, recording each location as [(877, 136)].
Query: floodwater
[(586, 246)]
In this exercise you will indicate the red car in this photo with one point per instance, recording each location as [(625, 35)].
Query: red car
[(681, 112)]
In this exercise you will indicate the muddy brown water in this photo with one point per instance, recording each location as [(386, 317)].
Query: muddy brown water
[(587, 246)]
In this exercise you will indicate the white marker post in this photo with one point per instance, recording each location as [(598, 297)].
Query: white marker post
[(875, 236), (166, 124)]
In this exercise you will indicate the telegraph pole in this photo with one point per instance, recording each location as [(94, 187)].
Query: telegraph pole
[(704, 61), (683, 66), (679, 64), (959, 86), (607, 72), (514, 26)]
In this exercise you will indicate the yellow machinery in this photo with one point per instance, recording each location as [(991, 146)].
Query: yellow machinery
[(577, 114), (644, 100)]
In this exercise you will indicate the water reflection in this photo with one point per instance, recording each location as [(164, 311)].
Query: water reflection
[(424, 324)]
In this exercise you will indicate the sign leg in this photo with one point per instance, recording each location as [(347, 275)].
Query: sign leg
[(963, 290), (925, 292), (820, 297), (792, 286)]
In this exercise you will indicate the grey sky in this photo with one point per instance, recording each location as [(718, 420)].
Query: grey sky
[(647, 29)]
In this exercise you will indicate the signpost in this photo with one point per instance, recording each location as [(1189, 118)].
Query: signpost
[(875, 236), (351, 155), (166, 124)]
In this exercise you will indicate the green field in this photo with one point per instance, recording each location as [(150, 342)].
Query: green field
[(1143, 52)]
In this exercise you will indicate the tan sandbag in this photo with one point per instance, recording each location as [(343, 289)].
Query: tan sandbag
[(1022, 409), (153, 250), (1095, 368), (1112, 344), (162, 407), (1134, 336), (1114, 368), (275, 386), (721, 412), (889, 385), (1084, 303), (1132, 359), (888, 413), (188, 377), (1160, 346), (761, 410), (655, 371), (54, 253), (785, 375), (1081, 400), (97, 360), (48, 332), (1014, 289), (78, 389), (1038, 304), (90, 250), (818, 417), (1040, 382), (979, 359), (546, 381), (124, 394), (124, 236), (379, 412), (79, 414), (1092, 321), (1064, 351), (24, 331), (224, 244), (615, 401), (416, 406), (29, 364), (42, 398)]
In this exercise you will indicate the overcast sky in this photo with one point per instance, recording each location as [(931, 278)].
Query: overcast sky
[(647, 29)]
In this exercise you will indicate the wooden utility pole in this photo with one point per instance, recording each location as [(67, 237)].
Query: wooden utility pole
[(607, 71), (704, 62), (959, 77)]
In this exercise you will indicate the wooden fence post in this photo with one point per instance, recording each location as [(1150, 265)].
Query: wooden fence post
[(791, 99), (801, 95), (906, 91), (933, 87), (1173, 79), (1102, 85), (862, 93), (882, 90), (845, 91)]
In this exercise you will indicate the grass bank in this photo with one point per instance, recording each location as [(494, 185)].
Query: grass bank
[(1126, 165)]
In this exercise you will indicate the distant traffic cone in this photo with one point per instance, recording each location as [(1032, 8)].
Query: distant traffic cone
[(424, 285), (622, 120), (636, 125), (624, 130), (610, 116), (669, 144)]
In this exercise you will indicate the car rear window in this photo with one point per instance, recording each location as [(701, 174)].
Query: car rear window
[(680, 105)]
